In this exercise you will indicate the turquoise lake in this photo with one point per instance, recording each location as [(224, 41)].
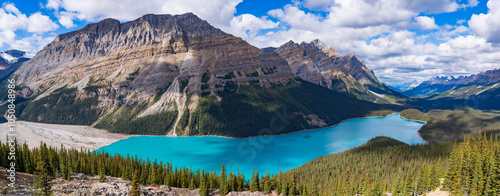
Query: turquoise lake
[(266, 152)]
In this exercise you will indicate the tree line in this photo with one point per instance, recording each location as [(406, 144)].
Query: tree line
[(382, 165)]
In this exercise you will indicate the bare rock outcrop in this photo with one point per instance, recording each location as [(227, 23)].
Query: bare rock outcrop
[(319, 63)]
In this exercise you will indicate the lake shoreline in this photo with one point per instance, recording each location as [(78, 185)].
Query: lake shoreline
[(99, 134), (418, 131), (334, 125)]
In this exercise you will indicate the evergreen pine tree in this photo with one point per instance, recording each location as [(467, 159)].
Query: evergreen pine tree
[(191, 184), (292, 183), (203, 191), (223, 190), (267, 183), (102, 172), (241, 182), (134, 186), (284, 188), (42, 179), (254, 181), (408, 185), (28, 165), (278, 182), (375, 190)]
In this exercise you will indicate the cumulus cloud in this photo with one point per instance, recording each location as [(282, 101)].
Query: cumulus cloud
[(361, 13), (247, 25), (38, 23), (425, 23), (487, 25), (463, 55), (381, 33), (218, 13), (12, 20), (297, 18)]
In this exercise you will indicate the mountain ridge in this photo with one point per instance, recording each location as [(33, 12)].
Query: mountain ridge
[(481, 91), (444, 83), (319, 63)]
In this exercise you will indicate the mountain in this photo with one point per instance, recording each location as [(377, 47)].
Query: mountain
[(176, 75), (320, 64), (441, 84), (405, 86), (480, 91), (10, 61)]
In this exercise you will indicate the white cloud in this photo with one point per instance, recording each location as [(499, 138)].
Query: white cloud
[(66, 19), (12, 20), (487, 25), (297, 18), (318, 5), (463, 55), (10, 8), (38, 23), (6, 37), (425, 23), (53, 4), (247, 25), (218, 13), (362, 13)]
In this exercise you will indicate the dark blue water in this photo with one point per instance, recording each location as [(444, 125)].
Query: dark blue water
[(266, 152)]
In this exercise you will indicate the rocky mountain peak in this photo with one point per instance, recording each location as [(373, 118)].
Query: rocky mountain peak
[(15, 53), (319, 63), (324, 47), (313, 46)]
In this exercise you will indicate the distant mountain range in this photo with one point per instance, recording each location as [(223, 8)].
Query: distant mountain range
[(478, 91), (178, 75), (405, 86)]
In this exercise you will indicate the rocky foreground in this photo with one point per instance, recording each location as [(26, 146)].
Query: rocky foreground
[(82, 184)]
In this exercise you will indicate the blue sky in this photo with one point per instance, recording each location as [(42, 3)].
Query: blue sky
[(401, 41)]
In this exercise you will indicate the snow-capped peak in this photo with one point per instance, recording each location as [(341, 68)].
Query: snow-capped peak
[(7, 57), (13, 56)]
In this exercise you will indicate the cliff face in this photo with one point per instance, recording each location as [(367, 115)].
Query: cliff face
[(149, 53), (157, 61), (321, 64)]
